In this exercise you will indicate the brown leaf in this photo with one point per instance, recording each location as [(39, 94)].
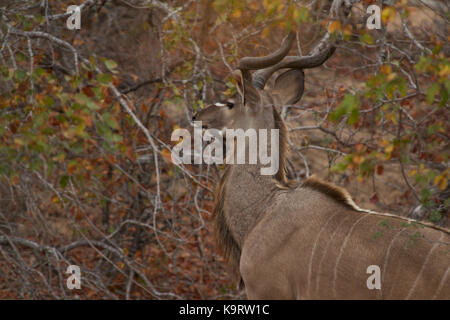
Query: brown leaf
[(374, 198), (88, 92), (380, 169)]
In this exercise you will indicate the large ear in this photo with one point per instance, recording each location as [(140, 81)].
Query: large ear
[(249, 94), (288, 87)]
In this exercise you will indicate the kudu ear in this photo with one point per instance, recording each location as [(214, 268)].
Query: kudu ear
[(288, 87), (249, 94)]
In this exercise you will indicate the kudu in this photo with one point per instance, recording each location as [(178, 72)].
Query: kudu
[(311, 241)]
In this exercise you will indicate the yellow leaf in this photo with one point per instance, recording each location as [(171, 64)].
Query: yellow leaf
[(254, 5), (296, 14), (391, 76), (443, 184), (19, 142), (394, 118), (334, 26), (389, 148), (265, 32), (445, 71), (437, 180), (236, 13), (167, 155), (348, 29), (441, 181), (358, 159), (386, 69), (388, 14)]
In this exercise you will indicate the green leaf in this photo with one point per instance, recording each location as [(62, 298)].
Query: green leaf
[(104, 78), (111, 65), (302, 14), (385, 223), (435, 216), (63, 181), (92, 105), (107, 134), (116, 138), (110, 120), (49, 101), (20, 75), (337, 114), (447, 203), (354, 115), (349, 105), (366, 38), (425, 195), (423, 64), (401, 85), (339, 167), (377, 234), (5, 72), (84, 100), (432, 91), (444, 97), (21, 57)]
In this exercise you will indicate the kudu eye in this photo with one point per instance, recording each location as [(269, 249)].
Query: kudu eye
[(228, 104)]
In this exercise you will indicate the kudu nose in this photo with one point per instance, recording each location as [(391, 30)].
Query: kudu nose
[(193, 118)]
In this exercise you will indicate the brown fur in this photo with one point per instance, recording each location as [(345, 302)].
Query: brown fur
[(224, 239), (312, 241), (226, 243), (337, 193)]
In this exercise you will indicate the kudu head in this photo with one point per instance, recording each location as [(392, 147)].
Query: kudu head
[(253, 107)]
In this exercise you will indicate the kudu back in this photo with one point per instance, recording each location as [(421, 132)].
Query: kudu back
[(311, 241)]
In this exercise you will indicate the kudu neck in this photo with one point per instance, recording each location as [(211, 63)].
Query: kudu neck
[(247, 192)]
